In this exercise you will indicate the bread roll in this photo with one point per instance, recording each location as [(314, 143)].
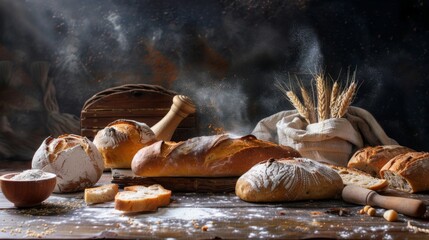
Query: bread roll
[(353, 176), (142, 199), (408, 172), (104, 193), (207, 156), (288, 180), (372, 159), (120, 140), (73, 158)]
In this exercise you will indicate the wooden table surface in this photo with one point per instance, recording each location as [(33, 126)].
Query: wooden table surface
[(201, 216)]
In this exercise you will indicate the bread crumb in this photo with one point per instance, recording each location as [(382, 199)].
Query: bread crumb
[(390, 215), (371, 212)]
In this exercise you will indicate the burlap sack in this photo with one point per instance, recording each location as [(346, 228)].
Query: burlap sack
[(332, 141)]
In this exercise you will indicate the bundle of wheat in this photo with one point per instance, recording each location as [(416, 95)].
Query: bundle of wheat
[(332, 101)]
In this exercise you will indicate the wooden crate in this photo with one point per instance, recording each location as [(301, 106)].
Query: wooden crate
[(140, 102)]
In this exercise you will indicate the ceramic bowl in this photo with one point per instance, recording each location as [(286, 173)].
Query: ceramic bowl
[(27, 193)]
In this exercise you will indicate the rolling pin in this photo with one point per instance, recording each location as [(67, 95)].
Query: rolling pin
[(363, 196), (182, 106)]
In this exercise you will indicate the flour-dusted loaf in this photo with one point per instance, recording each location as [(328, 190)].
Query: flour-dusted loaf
[(120, 140), (206, 156), (289, 180), (372, 159), (101, 194), (352, 176), (408, 172), (142, 199), (73, 158)]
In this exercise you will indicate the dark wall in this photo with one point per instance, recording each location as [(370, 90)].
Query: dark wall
[(226, 55)]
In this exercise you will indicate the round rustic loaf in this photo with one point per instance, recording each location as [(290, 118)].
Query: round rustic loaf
[(288, 180), (408, 172), (73, 158), (372, 159), (120, 140)]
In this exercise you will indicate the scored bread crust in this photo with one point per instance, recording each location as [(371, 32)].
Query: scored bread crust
[(207, 156), (408, 172), (353, 176), (104, 193), (142, 199), (372, 159), (120, 140), (285, 180)]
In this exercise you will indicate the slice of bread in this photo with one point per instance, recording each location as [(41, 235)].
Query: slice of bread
[(352, 176), (142, 199), (105, 193)]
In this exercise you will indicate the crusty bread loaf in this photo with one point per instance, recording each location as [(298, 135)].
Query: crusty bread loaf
[(207, 156), (353, 176), (142, 199), (408, 172), (372, 159), (120, 140), (288, 180), (73, 158), (104, 193)]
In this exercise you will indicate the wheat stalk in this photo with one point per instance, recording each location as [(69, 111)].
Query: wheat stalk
[(309, 105), (322, 100), (334, 96), (346, 99), (302, 110), (294, 100)]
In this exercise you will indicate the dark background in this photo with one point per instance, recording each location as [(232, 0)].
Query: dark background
[(225, 55)]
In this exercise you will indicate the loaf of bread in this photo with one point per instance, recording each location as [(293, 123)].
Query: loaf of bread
[(73, 158), (353, 176), (372, 159), (142, 199), (101, 194), (289, 180), (206, 156), (120, 140), (408, 172)]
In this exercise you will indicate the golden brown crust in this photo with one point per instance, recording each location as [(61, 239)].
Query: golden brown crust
[(120, 140), (208, 156), (408, 172), (372, 159)]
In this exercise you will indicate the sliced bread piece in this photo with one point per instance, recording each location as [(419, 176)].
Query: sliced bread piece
[(408, 172), (142, 199), (352, 176), (105, 193)]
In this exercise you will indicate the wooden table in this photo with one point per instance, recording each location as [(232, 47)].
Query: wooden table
[(201, 216)]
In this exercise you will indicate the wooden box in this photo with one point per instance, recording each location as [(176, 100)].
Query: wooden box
[(141, 102)]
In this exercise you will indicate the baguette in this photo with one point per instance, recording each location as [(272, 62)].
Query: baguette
[(207, 156), (372, 159), (105, 193), (142, 199), (285, 180), (408, 172), (353, 176)]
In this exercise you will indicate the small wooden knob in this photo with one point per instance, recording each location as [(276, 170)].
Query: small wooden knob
[(182, 106)]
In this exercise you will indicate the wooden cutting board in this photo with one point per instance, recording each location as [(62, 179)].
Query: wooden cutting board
[(125, 177)]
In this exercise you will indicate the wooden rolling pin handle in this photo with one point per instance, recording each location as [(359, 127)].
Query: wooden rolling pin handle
[(363, 196), (182, 106)]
